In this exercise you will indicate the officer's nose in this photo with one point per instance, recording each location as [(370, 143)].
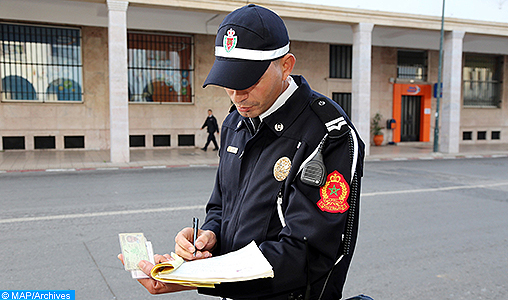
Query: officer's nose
[(237, 96)]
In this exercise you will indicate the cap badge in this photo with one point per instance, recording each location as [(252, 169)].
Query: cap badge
[(230, 40), (282, 168), (334, 194)]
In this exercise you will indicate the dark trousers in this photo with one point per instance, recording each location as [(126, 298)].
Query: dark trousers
[(211, 137)]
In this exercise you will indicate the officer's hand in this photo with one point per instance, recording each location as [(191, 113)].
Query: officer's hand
[(204, 243), (153, 286)]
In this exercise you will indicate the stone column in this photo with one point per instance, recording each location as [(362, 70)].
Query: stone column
[(452, 90), (118, 82), (361, 81)]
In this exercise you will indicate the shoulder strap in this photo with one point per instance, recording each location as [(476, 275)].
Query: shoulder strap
[(331, 116)]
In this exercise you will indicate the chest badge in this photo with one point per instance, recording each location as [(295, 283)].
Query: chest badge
[(282, 168), (334, 194), (232, 149)]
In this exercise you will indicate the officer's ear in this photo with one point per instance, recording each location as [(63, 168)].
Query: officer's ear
[(287, 64)]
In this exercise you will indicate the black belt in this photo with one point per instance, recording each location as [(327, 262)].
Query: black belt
[(296, 295)]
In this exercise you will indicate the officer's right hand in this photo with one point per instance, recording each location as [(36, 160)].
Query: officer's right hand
[(205, 243)]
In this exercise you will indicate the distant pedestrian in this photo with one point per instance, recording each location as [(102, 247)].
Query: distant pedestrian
[(212, 128)]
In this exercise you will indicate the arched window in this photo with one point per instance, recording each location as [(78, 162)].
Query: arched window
[(65, 90), (18, 88)]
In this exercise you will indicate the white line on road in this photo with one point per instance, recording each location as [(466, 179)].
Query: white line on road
[(101, 214), (179, 208), (448, 188)]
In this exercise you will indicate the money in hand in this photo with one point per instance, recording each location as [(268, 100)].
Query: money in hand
[(134, 249)]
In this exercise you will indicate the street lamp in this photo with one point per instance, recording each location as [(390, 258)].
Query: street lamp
[(439, 83)]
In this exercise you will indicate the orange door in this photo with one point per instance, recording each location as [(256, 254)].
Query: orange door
[(423, 90)]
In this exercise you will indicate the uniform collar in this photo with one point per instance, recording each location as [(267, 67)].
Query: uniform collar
[(281, 99), (282, 117), (285, 115)]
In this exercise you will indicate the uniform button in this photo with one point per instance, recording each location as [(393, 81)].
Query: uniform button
[(279, 127)]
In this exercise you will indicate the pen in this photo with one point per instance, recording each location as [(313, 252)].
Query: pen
[(195, 222)]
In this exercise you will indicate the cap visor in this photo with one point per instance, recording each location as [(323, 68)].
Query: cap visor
[(236, 74)]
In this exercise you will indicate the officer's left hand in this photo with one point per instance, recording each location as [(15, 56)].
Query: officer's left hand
[(153, 286)]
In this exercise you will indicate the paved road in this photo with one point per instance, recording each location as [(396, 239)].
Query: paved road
[(429, 229)]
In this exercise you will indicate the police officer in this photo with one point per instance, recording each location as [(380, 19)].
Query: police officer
[(289, 172), (211, 127)]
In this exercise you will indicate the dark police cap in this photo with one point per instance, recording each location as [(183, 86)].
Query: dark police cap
[(248, 40)]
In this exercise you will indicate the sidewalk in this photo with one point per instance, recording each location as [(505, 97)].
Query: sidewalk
[(77, 160)]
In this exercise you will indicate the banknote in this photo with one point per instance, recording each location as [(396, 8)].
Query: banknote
[(134, 249), (138, 274)]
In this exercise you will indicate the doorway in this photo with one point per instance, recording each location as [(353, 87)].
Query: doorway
[(411, 111), (410, 118)]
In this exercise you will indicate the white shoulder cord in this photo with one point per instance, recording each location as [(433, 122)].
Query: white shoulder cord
[(353, 170), (279, 209)]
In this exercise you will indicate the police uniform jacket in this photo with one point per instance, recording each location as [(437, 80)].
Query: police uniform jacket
[(251, 173)]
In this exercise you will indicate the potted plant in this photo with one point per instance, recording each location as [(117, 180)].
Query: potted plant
[(375, 129)]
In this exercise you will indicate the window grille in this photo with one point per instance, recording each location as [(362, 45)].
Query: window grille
[(341, 61), (467, 135), (13, 142), (40, 63), (186, 140), (495, 135), (136, 141), (74, 142), (44, 142), (344, 100), (481, 135), (161, 140), (160, 67), (412, 65), (482, 84)]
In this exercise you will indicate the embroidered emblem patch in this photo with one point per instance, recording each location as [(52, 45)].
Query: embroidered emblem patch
[(230, 40), (334, 194), (281, 168)]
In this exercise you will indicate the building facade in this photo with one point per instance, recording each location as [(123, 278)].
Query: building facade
[(114, 74)]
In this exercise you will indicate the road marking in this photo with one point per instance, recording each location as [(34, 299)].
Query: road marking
[(179, 208), (101, 214), (448, 188)]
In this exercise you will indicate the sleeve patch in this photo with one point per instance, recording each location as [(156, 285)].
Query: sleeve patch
[(334, 194)]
